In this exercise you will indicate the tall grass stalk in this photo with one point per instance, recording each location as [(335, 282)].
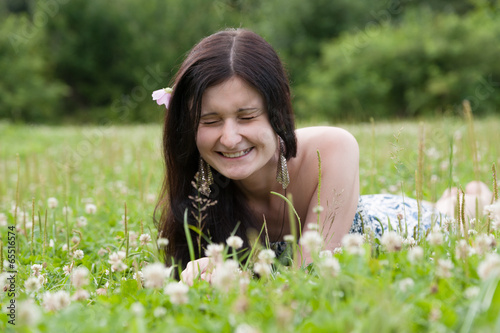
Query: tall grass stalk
[(472, 137), (32, 223), (125, 223), (419, 177), (67, 227), (495, 185)]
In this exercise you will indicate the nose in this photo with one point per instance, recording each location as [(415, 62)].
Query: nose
[(230, 136)]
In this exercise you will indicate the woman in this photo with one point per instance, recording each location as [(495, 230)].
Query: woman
[(230, 123)]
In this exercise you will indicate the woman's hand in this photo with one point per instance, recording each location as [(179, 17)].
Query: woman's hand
[(202, 268)]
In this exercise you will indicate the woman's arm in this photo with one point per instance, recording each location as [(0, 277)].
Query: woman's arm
[(339, 192)]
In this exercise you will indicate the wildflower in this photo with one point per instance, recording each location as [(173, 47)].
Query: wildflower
[(64, 247), (79, 277), (55, 301), (80, 295), (318, 209), (162, 96), (329, 266), (337, 250), (245, 328), (235, 242), (90, 208), (155, 275), (151, 198), (137, 309), (289, 238), (67, 269), (435, 237), (391, 241), (435, 314), (262, 268), (115, 259), (159, 311), (444, 267), (51, 243), (267, 256), (81, 222), (101, 291), (42, 279), (3, 220), (226, 274), (28, 313), (177, 292), (101, 252), (132, 238), (313, 226), (326, 254), (489, 267), (311, 240), (353, 243), (36, 269), (145, 239), (52, 203), (78, 254), (471, 292), (409, 241), (406, 284), (162, 242), (67, 210), (415, 254), (484, 243), (32, 284), (493, 211), (139, 275), (214, 251)]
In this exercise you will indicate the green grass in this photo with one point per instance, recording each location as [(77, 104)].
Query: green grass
[(122, 165)]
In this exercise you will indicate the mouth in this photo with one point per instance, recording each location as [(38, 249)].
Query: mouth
[(236, 154)]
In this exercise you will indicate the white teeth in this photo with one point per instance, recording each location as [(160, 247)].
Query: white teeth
[(238, 154)]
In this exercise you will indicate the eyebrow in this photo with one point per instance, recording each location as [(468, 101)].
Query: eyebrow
[(239, 110)]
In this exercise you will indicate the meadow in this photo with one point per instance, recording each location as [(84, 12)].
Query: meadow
[(76, 224)]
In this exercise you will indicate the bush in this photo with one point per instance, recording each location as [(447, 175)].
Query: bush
[(428, 64)]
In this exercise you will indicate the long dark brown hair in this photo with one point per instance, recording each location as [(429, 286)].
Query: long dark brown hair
[(213, 60)]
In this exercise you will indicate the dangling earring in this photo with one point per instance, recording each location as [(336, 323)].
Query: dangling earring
[(282, 175), (204, 177)]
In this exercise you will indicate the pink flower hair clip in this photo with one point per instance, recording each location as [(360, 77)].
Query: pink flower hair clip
[(162, 96)]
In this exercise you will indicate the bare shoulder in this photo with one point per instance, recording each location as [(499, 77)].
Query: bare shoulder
[(327, 139)]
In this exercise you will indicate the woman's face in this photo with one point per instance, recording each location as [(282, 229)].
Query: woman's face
[(234, 134)]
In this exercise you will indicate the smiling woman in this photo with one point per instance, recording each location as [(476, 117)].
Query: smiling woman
[(229, 141)]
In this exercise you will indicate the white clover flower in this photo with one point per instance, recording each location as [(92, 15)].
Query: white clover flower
[(415, 254), (32, 284), (139, 275), (435, 237), (311, 240), (51, 243), (80, 295), (36, 269), (267, 256), (215, 251), (79, 277), (313, 226), (55, 301), (67, 210), (101, 252), (484, 243), (155, 275), (353, 244), (29, 314), (338, 250), (226, 274), (406, 284), (326, 254), (90, 208), (444, 268), (178, 292), (145, 239), (318, 209), (64, 247), (81, 222), (3, 220), (262, 268), (471, 292), (137, 309), (392, 241), (235, 242), (101, 291), (78, 254), (162, 242), (151, 198), (52, 203), (289, 238), (245, 328), (42, 279), (462, 250), (329, 266), (493, 211), (115, 259), (159, 311), (489, 267), (132, 238), (67, 269), (409, 241)]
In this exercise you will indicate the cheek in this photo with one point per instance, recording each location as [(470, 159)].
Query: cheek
[(269, 139)]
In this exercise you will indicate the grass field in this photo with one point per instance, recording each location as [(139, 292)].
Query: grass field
[(108, 175)]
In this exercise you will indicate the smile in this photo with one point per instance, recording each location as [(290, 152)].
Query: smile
[(237, 154)]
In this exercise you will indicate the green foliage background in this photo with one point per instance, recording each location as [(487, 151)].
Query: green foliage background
[(98, 61)]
